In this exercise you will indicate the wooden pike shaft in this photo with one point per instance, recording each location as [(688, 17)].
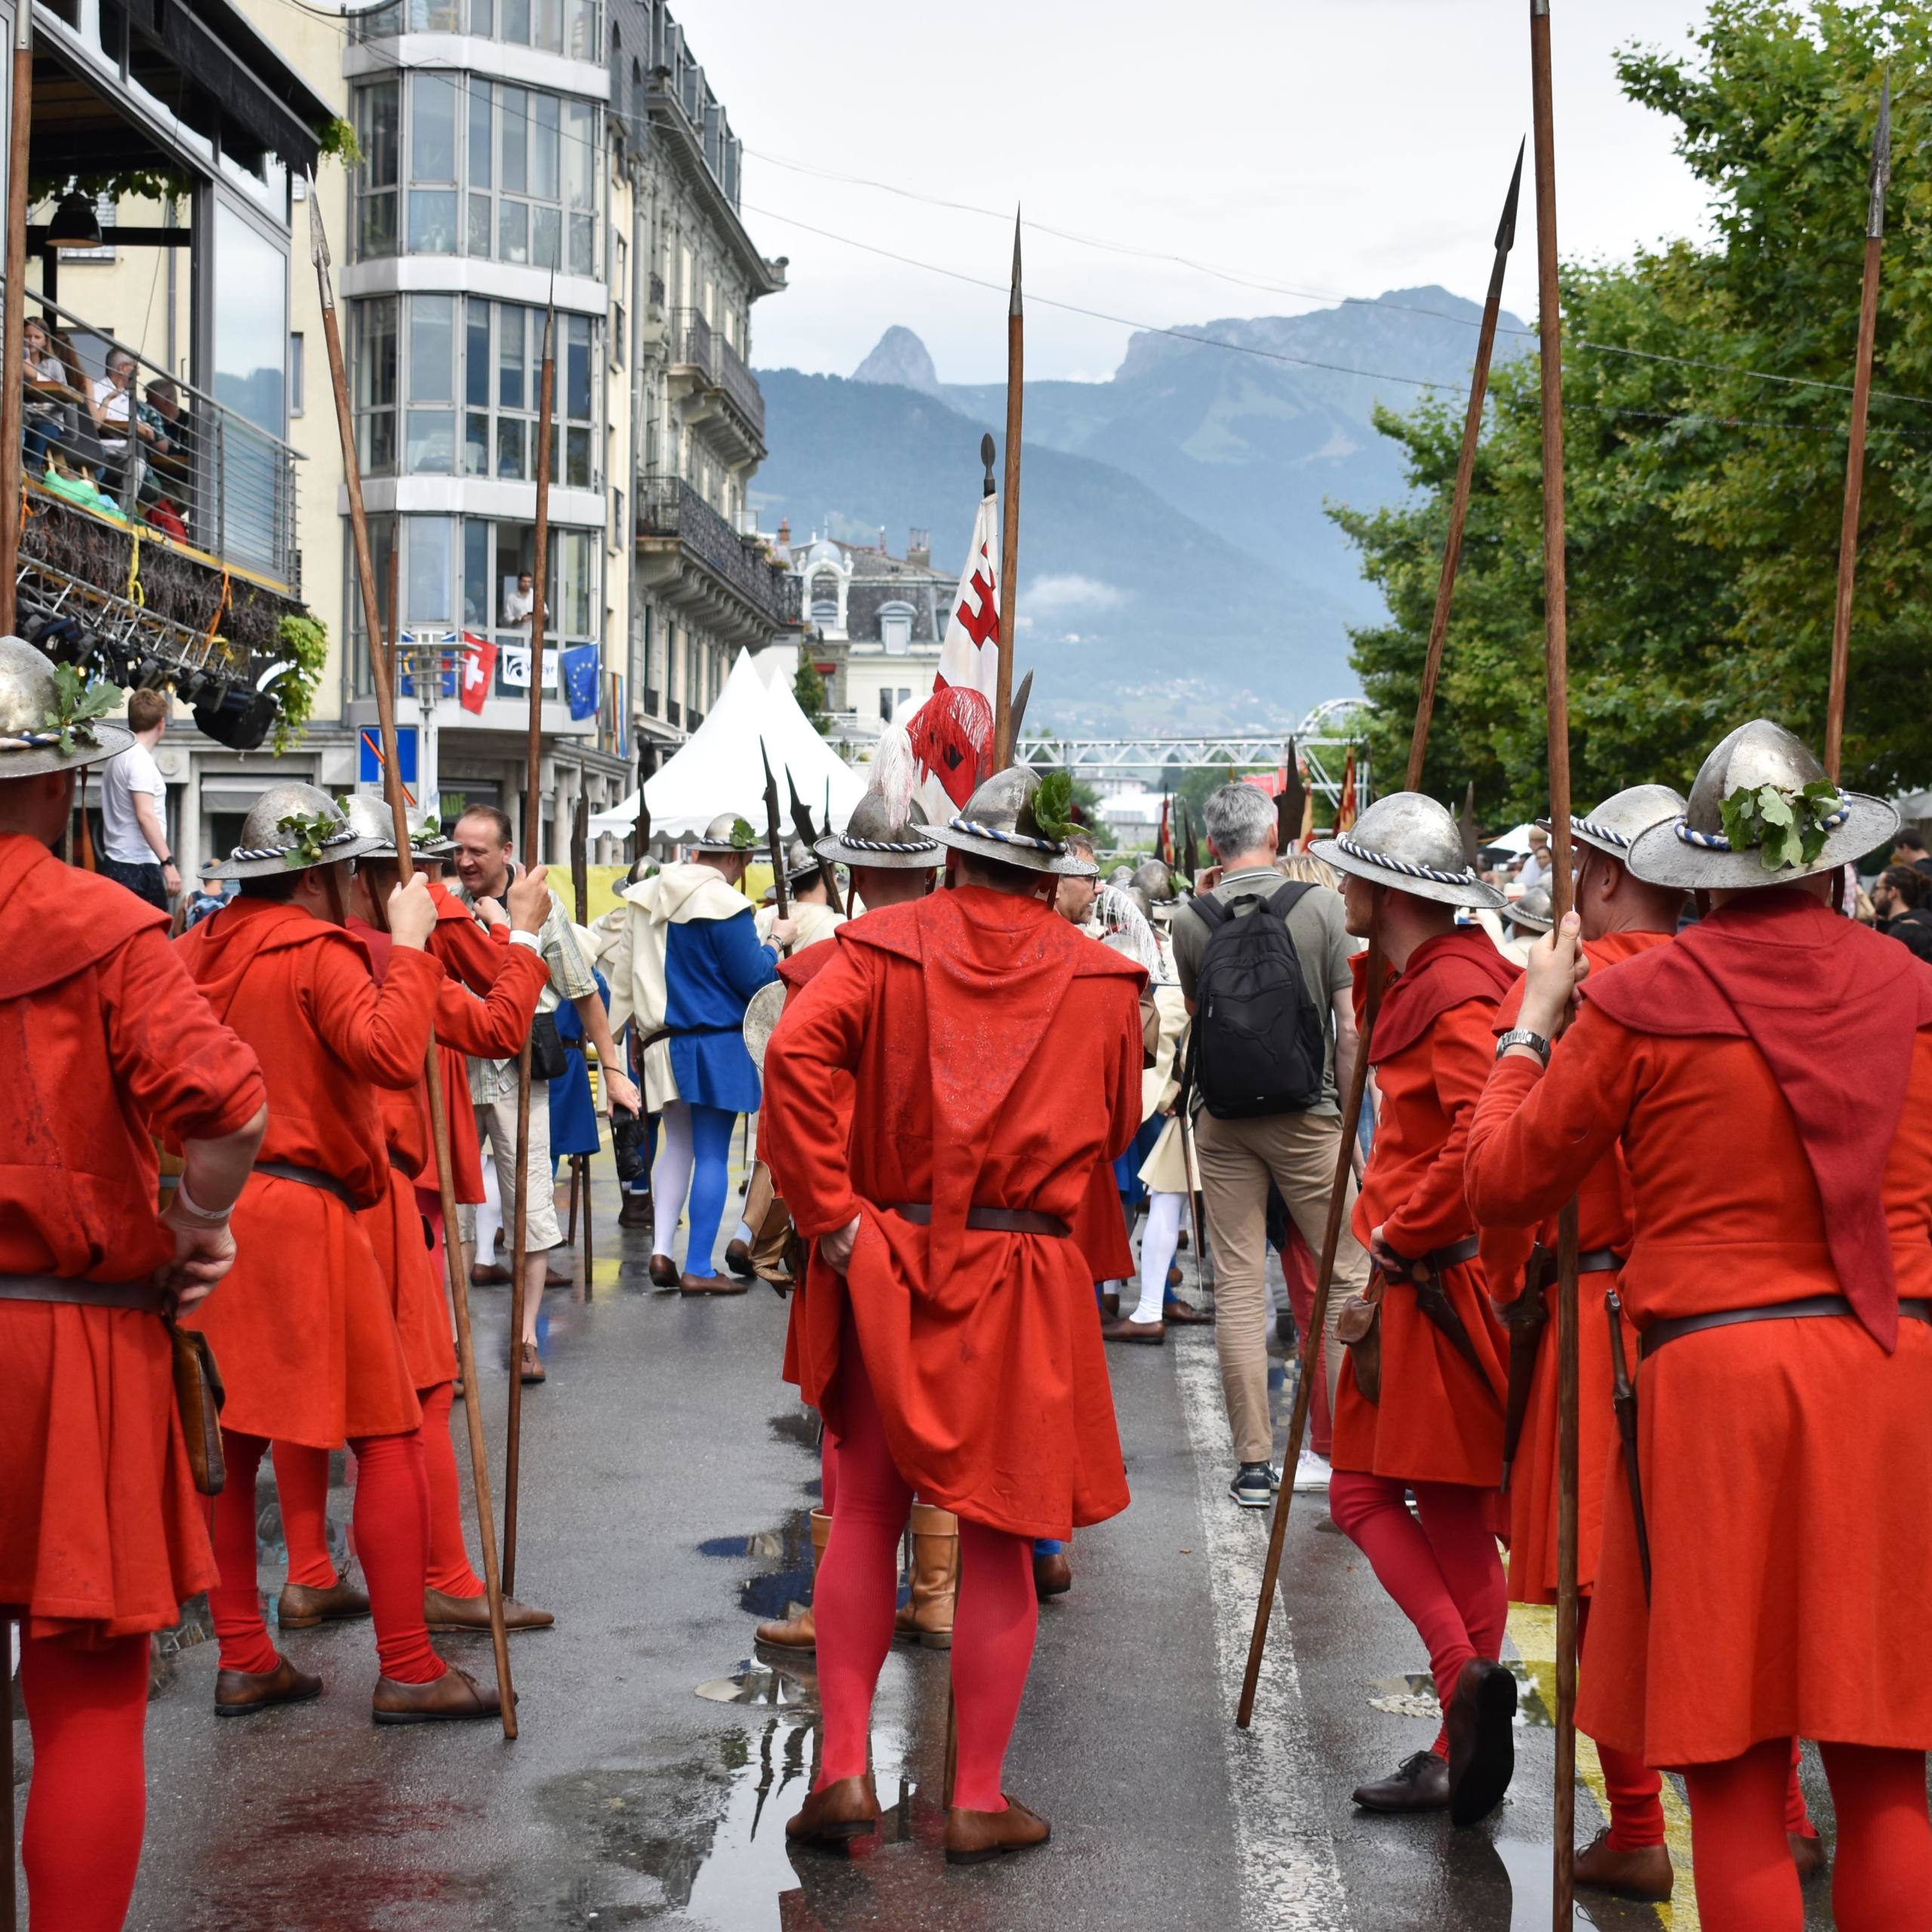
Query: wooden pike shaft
[(1854, 462), (1556, 661), (12, 338), (382, 662), (533, 829), (1009, 533), (1313, 1342)]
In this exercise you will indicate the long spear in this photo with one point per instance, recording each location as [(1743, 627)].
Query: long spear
[(13, 396), (580, 902), (1313, 1342), (774, 836), (533, 824), (1009, 534), (1861, 403), (382, 663), (802, 824), (1556, 673)]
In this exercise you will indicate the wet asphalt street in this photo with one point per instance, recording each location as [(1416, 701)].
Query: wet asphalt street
[(667, 1477)]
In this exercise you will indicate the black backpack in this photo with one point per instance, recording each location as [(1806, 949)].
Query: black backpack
[(1260, 1045)]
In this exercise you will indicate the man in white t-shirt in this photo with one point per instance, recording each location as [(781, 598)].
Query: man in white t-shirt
[(133, 807)]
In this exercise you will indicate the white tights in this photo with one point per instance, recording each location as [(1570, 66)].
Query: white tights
[(670, 1174), (1158, 1241)]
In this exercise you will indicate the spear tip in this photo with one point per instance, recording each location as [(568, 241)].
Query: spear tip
[(1882, 162), (1013, 306), (1506, 229), (986, 458), (318, 240)]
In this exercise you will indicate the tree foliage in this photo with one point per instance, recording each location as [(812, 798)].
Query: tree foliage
[(1705, 464), (808, 687)]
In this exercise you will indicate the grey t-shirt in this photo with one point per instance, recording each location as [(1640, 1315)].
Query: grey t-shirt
[(1320, 935)]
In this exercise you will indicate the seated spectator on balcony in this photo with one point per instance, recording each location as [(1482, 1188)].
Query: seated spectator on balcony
[(48, 394), (162, 409), (125, 439)]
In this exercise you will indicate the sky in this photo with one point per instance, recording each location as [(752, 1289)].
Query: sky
[(1335, 147)]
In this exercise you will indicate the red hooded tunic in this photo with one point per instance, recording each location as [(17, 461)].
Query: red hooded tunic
[(105, 1038), (1437, 1422), (1603, 1209), (971, 1049), (304, 1327), (1787, 1465), (470, 955)]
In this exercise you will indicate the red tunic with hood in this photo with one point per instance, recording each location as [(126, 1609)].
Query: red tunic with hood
[(106, 1041), (495, 1027), (971, 1049), (1437, 1421), (472, 955), (304, 1327), (1603, 1221), (1769, 1075)]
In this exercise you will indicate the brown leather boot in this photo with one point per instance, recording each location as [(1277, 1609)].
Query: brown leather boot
[(834, 1815), (444, 1612), (799, 1632), (1642, 1872), (973, 1837), (240, 1693), (454, 1694), (927, 1619), (634, 1212), (299, 1608)]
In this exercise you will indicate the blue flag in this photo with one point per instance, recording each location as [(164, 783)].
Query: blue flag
[(579, 670)]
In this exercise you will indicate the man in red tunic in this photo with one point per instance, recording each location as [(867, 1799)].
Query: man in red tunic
[(102, 1534), (1434, 1428), (1769, 1078), (938, 1097), (306, 1333)]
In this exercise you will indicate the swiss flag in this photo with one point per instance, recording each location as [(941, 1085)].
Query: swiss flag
[(479, 670)]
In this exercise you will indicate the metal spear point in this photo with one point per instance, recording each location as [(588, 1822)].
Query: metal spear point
[(1009, 536), (774, 837), (802, 824), (986, 458)]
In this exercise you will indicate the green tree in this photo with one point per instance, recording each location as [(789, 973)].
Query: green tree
[(1705, 414), (808, 687)]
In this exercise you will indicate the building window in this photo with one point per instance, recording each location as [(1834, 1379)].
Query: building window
[(373, 333), (619, 533), (298, 384), (569, 27), (895, 628)]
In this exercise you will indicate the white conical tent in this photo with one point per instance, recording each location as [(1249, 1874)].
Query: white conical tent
[(718, 768)]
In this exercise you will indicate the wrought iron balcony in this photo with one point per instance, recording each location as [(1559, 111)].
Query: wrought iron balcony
[(695, 344), (667, 506)]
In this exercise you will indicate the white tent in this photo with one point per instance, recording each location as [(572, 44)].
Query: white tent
[(718, 769)]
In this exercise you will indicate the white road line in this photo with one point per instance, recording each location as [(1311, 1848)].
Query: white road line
[(1291, 1880)]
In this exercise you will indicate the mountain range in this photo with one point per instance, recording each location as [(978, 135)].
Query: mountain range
[(1177, 570)]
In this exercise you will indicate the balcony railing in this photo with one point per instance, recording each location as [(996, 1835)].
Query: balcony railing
[(695, 344), (740, 387), (690, 341), (657, 290), (668, 506)]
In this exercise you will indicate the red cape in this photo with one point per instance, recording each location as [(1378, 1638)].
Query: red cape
[(1442, 973)]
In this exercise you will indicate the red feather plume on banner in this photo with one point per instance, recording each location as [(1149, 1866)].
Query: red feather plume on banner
[(952, 738)]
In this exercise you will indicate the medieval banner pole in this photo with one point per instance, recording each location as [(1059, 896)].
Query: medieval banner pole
[(1556, 663), (1861, 403), (1009, 533), (533, 830), (13, 335), (382, 664), (1313, 1342)]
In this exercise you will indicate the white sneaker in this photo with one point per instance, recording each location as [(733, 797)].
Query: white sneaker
[(1311, 1473)]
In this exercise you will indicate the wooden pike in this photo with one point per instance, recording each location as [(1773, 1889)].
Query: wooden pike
[(802, 824), (533, 829), (1556, 673), (1861, 404), (580, 895), (774, 836), (1312, 1343), (1009, 533), (383, 664), (13, 395)]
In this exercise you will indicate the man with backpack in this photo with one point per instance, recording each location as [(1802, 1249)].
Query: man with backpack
[(1264, 964)]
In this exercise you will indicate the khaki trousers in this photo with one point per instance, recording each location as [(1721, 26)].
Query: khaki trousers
[(1237, 1158), (496, 1128)]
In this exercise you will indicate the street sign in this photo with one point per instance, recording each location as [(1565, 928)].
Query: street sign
[(369, 756)]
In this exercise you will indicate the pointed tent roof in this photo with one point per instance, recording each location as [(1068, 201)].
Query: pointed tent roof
[(718, 768)]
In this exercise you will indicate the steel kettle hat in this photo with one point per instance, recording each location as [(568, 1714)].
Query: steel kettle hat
[(800, 862), (1758, 762), (1155, 879), (1413, 844), (291, 827), (729, 832), (1616, 824), (1002, 821), (368, 815), (42, 728), (1534, 912), (875, 836)]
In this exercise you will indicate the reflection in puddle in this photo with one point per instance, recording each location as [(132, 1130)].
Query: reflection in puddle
[(754, 1684), (1531, 1903), (1412, 1695), (785, 1581)]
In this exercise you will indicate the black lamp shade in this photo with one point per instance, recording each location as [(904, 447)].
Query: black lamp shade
[(74, 224)]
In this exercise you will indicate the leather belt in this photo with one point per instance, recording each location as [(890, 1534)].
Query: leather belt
[(1541, 1269), (1809, 1308), (998, 1220), (142, 1295), (1438, 1259), (311, 1177)]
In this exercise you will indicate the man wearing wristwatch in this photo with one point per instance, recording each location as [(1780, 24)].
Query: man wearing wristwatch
[(1769, 1078), (1434, 1427)]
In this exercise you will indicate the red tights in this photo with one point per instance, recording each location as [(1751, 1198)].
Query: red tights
[(86, 1709), (1442, 1570), (1882, 1877), (1634, 1790), (392, 1528), (852, 1604)]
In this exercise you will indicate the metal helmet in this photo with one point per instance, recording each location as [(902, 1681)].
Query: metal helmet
[(1613, 827), (1534, 911), (1690, 849), (1155, 878), (1413, 844), (998, 823), (729, 832), (875, 836), (801, 863), (1120, 876), (267, 846), (31, 726), (368, 814)]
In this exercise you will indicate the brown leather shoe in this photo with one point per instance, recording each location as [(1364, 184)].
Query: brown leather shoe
[(1418, 1783), (1808, 1854), (835, 1814), (1173, 1274), (493, 1275), (738, 1258), (1642, 1872), (973, 1837), (1110, 1302), (529, 1365), (1124, 1328), (454, 1694), (299, 1608), (1185, 1314), (1480, 1722), (240, 1693), (799, 1632), (663, 1271), (443, 1612), (711, 1284), (552, 1279), (1053, 1576), (634, 1212), (927, 1618)]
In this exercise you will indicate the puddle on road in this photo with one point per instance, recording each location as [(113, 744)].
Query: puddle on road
[(785, 1583), (1532, 1898), (1412, 1695), (783, 1687)]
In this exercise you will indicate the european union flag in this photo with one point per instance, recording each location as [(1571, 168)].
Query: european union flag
[(579, 670)]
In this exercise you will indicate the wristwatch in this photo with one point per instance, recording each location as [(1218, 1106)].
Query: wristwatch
[(1521, 1036)]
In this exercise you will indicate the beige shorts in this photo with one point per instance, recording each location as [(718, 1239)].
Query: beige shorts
[(496, 1128)]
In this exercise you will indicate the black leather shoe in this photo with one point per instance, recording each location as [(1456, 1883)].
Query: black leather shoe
[(1421, 1783), (1481, 1724)]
